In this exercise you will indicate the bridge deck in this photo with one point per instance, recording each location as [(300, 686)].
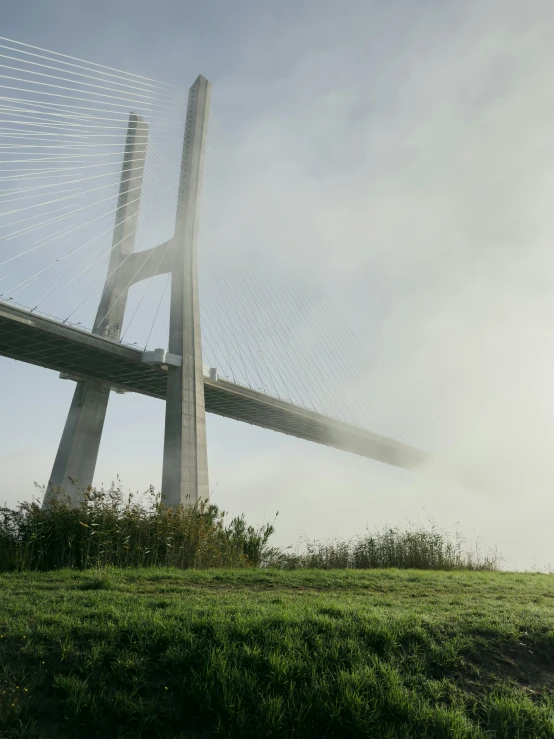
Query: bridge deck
[(32, 338)]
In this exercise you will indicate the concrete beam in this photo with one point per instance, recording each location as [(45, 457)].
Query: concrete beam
[(148, 263)]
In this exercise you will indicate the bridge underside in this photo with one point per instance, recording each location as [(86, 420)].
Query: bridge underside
[(47, 343)]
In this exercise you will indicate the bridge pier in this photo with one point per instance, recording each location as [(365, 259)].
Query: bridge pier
[(75, 461)]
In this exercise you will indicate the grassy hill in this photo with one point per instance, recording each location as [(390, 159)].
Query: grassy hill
[(162, 652)]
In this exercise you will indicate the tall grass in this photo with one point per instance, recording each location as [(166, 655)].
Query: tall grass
[(412, 548), (106, 530)]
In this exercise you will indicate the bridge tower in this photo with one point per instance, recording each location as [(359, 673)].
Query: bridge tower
[(75, 461), (185, 462)]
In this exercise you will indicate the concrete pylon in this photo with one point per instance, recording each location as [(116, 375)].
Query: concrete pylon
[(185, 464), (75, 461), (109, 317)]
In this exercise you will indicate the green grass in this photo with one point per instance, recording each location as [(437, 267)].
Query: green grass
[(166, 652)]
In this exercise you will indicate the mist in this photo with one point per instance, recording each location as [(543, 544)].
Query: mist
[(407, 156)]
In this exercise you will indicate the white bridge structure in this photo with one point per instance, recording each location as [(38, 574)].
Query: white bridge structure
[(82, 159)]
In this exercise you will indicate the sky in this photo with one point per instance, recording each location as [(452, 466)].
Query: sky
[(405, 151)]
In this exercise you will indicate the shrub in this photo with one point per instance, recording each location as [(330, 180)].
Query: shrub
[(104, 531)]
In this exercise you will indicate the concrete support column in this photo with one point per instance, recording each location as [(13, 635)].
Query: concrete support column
[(78, 450), (75, 461), (185, 465)]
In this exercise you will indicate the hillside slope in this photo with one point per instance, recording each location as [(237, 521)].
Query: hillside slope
[(230, 653)]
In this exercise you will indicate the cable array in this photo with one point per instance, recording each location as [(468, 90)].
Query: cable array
[(267, 321), (63, 127)]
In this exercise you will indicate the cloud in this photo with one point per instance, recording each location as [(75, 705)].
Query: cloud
[(438, 182)]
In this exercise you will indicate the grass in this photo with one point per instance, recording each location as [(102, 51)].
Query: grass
[(413, 548), (104, 530), (125, 620), (173, 653)]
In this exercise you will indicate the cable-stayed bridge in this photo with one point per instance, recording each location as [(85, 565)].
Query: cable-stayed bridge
[(102, 180)]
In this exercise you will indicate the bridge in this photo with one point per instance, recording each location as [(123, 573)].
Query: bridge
[(58, 138), (84, 356)]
